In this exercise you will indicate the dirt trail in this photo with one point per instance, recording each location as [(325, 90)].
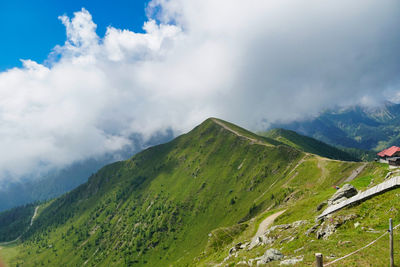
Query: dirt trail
[(15, 240), (321, 162), (253, 140), (266, 223), (355, 173), (34, 215)]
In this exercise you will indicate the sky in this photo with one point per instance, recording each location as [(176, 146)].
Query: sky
[(32, 28), (97, 74)]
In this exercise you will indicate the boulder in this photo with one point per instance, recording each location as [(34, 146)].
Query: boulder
[(271, 255), (236, 248), (326, 230), (261, 240), (347, 191)]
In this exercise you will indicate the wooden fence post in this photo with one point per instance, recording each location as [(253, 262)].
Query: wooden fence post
[(319, 259), (391, 242)]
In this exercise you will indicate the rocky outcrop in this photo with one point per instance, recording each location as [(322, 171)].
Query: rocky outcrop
[(238, 247), (269, 255), (387, 185), (326, 230), (329, 226), (347, 191), (313, 228), (267, 239)]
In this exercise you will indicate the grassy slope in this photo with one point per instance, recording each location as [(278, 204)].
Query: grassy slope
[(161, 203), (308, 144), (159, 207), (372, 215)]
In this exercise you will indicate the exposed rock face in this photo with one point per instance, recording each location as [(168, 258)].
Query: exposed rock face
[(347, 191), (326, 230), (266, 239), (313, 228), (269, 255), (238, 247), (328, 227)]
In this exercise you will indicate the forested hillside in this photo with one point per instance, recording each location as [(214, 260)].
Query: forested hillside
[(57, 182), (14, 222)]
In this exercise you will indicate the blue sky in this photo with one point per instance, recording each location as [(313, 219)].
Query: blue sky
[(30, 29)]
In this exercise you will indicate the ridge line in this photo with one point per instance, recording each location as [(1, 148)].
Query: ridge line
[(252, 140)]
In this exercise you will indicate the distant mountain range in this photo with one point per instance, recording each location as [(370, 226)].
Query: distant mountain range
[(355, 127)]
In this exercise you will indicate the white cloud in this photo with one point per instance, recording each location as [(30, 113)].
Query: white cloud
[(245, 61)]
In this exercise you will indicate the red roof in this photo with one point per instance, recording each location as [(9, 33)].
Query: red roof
[(389, 151)]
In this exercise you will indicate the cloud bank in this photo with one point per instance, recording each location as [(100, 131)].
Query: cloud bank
[(251, 62)]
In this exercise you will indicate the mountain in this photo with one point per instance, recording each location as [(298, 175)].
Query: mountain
[(57, 182), (356, 127), (308, 144), (187, 202)]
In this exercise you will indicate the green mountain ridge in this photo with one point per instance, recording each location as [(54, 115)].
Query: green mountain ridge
[(188, 201), (308, 144)]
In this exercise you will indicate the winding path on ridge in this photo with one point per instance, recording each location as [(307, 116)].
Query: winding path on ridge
[(15, 240), (34, 216), (226, 127), (355, 173)]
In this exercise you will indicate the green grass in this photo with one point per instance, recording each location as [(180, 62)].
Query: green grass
[(159, 207), (373, 213), (8, 253)]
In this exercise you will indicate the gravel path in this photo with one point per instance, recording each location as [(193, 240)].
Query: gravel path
[(266, 223), (34, 215), (253, 140), (15, 240), (355, 173)]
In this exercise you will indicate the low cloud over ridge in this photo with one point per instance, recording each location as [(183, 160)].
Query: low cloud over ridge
[(250, 62)]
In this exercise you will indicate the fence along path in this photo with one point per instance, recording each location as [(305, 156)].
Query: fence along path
[(358, 250), (390, 184)]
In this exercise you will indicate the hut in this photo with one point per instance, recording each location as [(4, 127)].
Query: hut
[(390, 155)]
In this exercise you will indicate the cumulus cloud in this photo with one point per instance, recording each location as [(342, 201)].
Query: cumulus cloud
[(251, 62)]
